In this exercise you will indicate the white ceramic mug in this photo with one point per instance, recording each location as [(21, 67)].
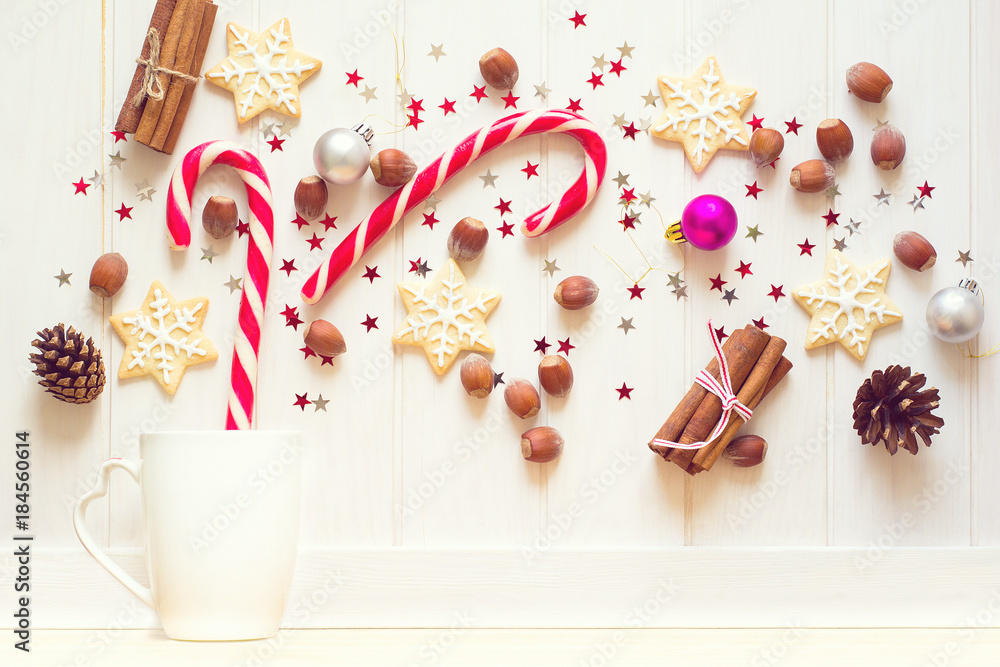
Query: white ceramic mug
[(221, 524)]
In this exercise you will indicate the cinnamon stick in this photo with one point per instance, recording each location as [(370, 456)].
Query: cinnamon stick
[(754, 383), (678, 419), (130, 113), (779, 373), (207, 23), (741, 362), (168, 53), (182, 63)]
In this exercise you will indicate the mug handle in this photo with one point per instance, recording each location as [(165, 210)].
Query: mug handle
[(90, 544)]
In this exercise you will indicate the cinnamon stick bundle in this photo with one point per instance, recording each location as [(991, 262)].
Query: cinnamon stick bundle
[(130, 113), (207, 23), (182, 63), (168, 54)]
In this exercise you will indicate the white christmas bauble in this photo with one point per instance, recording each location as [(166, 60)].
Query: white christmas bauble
[(341, 155), (956, 314)]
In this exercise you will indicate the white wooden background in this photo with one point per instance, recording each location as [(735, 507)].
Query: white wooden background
[(826, 534)]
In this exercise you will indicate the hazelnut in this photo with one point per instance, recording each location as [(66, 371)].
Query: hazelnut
[(467, 239), (108, 275), (746, 451), (868, 82), (888, 147), (499, 69), (220, 217), (914, 251), (555, 375), (392, 167), (576, 292), (541, 444), (766, 145), (477, 376), (324, 339), (522, 398), (311, 196), (834, 140), (813, 176)]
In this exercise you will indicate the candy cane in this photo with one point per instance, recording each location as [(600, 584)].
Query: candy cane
[(243, 378), (427, 182)]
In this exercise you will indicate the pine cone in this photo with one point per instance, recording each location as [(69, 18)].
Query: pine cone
[(71, 368), (890, 407)]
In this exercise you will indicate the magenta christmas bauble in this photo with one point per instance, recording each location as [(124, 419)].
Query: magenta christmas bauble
[(709, 222)]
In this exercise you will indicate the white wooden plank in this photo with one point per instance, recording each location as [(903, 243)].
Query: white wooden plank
[(906, 500), (697, 587), (789, 644), (732, 506), (47, 229)]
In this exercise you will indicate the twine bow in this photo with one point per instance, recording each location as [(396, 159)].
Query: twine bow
[(151, 86), (723, 389)]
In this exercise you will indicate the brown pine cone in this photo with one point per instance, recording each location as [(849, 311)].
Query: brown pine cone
[(71, 368), (890, 407)]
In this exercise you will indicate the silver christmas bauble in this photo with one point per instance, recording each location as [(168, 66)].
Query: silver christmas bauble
[(956, 314), (341, 155)]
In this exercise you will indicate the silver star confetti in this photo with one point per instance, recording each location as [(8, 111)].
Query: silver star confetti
[(647, 199), (619, 120), (144, 190), (833, 191), (431, 203), (681, 292), (267, 130), (625, 50), (437, 51), (423, 269), (599, 62), (840, 244), (95, 179), (650, 99), (550, 267), (753, 232), (675, 280), (63, 278), (234, 283), (730, 296), (644, 124), (208, 253), (882, 197), (116, 160), (626, 325), (916, 202), (963, 257), (489, 179), (368, 93), (320, 404), (621, 179), (284, 128), (853, 227), (541, 90), (404, 98), (879, 123)]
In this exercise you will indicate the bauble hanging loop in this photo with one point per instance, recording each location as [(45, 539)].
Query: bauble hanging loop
[(342, 155), (956, 314)]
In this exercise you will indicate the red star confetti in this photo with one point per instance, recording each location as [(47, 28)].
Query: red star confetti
[(624, 391), (753, 190), (291, 317), (806, 248), (565, 347), (636, 292), (300, 221), (119, 136), (503, 206), (328, 222), (315, 243), (720, 334), (744, 269), (413, 121), (628, 222), (307, 352), (776, 292), (506, 229), (793, 127), (81, 187), (124, 212), (617, 68), (288, 265), (774, 163), (578, 19), (574, 106), (831, 217), (925, 190), (242, 228), (326, 361), (717, 282), (415, 105), (275, 144), (595, 80), (415, 266), (630, 131), (371, 273), (369, 323), (509, 100), (448, 106), (756, 123), (479, 92), (541, 345), (628, 195), (301, 401), (430, 220), (530, 170), (760, 324), (353, 78)]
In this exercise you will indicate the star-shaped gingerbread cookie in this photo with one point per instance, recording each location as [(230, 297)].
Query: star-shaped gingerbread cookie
[(703, 113), (848, 305), (263, 70), (163, 337), (445, 315)]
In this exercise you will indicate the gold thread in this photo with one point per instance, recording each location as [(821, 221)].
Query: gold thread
[(649, 266)]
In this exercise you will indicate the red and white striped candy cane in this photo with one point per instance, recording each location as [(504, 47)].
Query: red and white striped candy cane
[(243, 378), (427, 182)]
